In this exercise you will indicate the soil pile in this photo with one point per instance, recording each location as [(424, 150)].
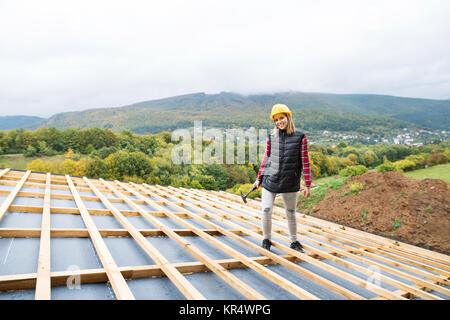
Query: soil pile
[(392, 205)]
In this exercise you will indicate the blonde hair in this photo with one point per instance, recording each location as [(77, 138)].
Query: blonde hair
[(290, 129)]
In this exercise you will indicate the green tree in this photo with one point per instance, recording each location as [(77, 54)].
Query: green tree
[(97, 168), (30, 151), (218, 172), (122, 164), (208, 182)]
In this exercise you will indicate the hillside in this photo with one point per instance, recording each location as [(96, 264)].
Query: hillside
[(343, 112), (12, 122), (390, 204)]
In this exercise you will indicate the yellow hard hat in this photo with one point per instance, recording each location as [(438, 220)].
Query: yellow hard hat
[(280, 108)]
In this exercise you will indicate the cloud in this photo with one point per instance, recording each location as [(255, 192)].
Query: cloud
[(60, 56)]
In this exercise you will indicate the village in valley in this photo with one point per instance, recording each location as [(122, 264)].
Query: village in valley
[(406, 136)]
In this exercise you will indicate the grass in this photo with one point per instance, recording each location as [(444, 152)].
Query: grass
[(317, 194), (19, 161), (441, 171), (364, 217), (325, 179), (397, 223)]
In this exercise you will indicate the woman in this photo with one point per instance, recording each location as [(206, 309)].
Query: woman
[(286, 155)]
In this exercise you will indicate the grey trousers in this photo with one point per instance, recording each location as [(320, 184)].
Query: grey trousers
[(290, 202)]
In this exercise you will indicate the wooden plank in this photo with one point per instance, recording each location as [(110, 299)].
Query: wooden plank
[(177, 278), (17, 282), (228, 277), (309, 259), (116, 279), (20, 233), (3, 172), (83, 233), (59, 278), (43, 288), (9, 200)]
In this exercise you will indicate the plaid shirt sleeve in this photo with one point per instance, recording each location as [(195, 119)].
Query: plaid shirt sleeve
[(266, 156), (304, 158)]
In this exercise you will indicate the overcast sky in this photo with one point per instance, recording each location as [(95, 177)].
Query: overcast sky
[(58, 56)]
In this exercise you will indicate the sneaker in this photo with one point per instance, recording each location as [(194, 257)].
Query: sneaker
[(297, 246), (266, 244)]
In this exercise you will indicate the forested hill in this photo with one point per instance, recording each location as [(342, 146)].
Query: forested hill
[(344, 112), (12, 122)]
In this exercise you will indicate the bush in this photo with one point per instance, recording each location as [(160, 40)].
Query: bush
[(196, 184), (353, 171), (355, 187), (437, 158), (404, 165), (419, 160), (385, 167), (244, 188)]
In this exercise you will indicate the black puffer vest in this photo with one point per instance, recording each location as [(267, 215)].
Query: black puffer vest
[(283, 168)]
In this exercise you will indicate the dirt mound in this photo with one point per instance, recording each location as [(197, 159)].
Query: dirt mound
[(392, 205)]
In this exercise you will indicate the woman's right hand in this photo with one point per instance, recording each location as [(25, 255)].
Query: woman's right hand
[(256, 184)]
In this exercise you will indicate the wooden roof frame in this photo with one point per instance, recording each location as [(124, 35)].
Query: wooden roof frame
[(428, 270)]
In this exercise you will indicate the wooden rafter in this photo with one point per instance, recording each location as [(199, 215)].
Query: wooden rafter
[(116, 279)]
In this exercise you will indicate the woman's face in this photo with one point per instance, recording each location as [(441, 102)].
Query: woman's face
[(281, 121)]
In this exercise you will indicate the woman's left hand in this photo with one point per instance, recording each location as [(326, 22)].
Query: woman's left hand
[(306, 192)]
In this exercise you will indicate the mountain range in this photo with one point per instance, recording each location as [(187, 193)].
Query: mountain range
[(13, 122), (322, 111)]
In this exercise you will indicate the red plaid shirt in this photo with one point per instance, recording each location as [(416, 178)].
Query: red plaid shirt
[(304, 158)]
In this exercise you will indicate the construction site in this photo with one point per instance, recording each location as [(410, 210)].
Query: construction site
[(75, 238)]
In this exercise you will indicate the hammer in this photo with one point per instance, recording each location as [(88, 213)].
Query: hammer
[(244, 198)]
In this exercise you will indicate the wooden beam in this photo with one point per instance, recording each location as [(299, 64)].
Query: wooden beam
[(9, 200), (83, 233), (59, 278), (43, 291), (3, 172), (116, 279)]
